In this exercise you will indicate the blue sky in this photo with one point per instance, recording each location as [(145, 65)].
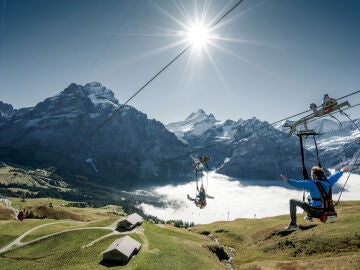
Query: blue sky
[(271, 59)]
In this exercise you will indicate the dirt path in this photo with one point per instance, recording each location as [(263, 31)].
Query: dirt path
[(145, 242), (17, 242)]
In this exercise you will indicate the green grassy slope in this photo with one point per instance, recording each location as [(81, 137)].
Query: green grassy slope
[(172, 248), (261, 244), (29, 180), (70, 217), (258, 243), (163, 247), (61, 251)]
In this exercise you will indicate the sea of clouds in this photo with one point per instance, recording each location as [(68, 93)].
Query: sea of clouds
[(236, 199)]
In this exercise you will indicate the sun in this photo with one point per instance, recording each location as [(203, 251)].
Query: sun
[(198, 35)]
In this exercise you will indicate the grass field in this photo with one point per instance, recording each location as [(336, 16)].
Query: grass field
[(258, 243), (30, 177), (71, 217), (162, 248), (9, 230), (172, 248), (61, 251)]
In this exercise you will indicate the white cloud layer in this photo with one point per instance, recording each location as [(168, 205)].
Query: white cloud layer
[(234, 199)]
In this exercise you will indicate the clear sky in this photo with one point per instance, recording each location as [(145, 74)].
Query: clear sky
[(268, 58)]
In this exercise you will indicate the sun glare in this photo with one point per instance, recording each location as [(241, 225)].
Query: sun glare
[(198, 35)]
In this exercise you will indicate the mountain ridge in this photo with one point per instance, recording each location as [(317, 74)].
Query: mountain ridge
[(132, 150), (253, 141), (128, 150)]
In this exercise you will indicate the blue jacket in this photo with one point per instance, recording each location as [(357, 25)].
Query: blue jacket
[(313, 189), (201, 196)]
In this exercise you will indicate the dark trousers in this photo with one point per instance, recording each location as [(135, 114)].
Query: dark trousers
[(305, 206)]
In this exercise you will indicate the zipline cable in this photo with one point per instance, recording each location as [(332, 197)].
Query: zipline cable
[(149, 81), (226, 13), (356, 159), (127, 101), (110, 40), (353, 93)]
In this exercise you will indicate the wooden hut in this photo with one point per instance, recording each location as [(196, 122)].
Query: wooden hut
[(122, 249), (130, 222)]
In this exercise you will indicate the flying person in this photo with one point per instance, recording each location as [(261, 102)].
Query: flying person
[(200, 199), (316, 186), (198, 166)]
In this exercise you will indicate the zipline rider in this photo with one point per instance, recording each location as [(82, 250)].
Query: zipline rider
[(316, 186)]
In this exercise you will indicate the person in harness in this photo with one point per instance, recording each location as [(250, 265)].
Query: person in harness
[(319, 186), (199, 166), (200, 199)]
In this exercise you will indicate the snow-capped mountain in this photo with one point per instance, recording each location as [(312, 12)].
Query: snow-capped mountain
[(236, 150), (194, 125), (127, 151), (130, 149), (100, 95), (322, 126), (338, 143), (333, 132), (253, 149), (200, 129)]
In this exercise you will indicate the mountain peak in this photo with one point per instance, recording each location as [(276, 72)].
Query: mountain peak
[(100, 95), (6, 110), (195, 124), (198, 116)]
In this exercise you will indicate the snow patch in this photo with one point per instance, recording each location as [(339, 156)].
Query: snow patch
[(89, 160), (94, 115), (195, 124), (100, 95)]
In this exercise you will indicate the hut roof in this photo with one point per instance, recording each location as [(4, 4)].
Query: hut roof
[(125, 245), (134, 218)]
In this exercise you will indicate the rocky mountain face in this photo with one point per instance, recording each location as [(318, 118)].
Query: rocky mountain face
[(200, 130), (127, 151), (253, 149), (339, 144), (6, 111), (131, 151)]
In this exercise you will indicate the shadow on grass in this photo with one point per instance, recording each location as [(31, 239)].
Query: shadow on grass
[(109, 264), (307, 227), (120, 229), (301, 227)]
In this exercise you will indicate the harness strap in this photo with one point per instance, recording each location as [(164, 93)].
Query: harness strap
[(326, 198), (305, 173), (317, 152), (324, 194)]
